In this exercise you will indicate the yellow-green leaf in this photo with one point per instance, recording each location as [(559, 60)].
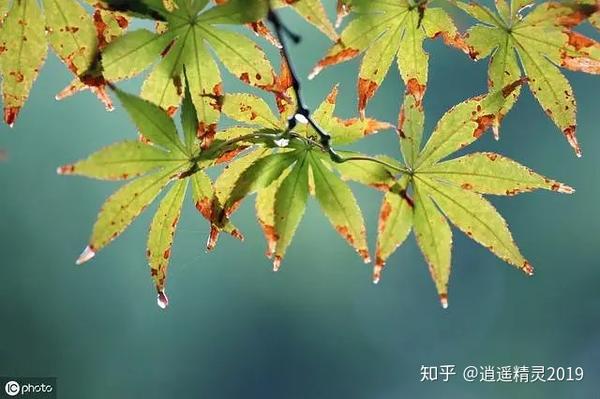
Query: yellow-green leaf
[(23, 49), (434, 238), (340, 206), (121, 161), (395, 223), (162, 233), (490, 173)]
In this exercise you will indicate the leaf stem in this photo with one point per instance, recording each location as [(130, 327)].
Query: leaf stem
[(301, 109)]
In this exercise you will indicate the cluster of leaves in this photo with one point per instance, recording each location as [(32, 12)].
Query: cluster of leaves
[(287, 156)]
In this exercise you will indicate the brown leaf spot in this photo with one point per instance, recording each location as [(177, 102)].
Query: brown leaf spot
[(205, 207), (10, 115), (366, 90), (416, 89), (339, 57), (272, 237), (344, 232), (483, 123)]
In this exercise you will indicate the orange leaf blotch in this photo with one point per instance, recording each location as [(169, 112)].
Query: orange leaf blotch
[(11, 114), (366, 90), (337, 58), (272, 237), (205, 206), (569, 133), (483, 123), (416, 89)]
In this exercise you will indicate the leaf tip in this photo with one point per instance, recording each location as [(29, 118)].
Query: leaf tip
[(10, 115), (65, 169), (277, 263), (213, 237), (562, 188), (364, 254), (87, 254), (569, 133), (162, 300), (527, 268), (377, 269)]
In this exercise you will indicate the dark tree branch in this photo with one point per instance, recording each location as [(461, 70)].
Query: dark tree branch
[(301, 110)]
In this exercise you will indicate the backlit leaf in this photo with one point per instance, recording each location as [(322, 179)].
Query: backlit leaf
[(23, 50), (340, 206), (544, 40), (122, 161), (386, 30), (162, 232)]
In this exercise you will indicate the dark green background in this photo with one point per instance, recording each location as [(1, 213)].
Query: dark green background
[(319, 328)]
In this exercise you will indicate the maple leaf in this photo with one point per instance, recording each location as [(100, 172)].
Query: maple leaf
[(294, 166), (385, 31), (184, 39), (162, 161), (25, 34), (436, 191), (535, 44)]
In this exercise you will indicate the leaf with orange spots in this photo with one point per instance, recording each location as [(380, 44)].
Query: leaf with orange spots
[(122, 161), (345, 131), (385, 31), (190, 34), (338, 204), (164, 156), (536, 42), (162, 233), (23, 49), (434, 191)]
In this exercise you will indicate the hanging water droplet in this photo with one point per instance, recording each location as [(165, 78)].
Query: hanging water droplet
[(87, 254), (162, 300), (301, 119), (282, 142), (377, 273), (277, 263), (213, 237), (444, 300)]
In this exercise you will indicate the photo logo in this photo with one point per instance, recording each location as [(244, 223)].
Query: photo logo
[(12, 388), (28, 387)]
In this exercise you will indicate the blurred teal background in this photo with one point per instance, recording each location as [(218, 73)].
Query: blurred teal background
[(319, 328)]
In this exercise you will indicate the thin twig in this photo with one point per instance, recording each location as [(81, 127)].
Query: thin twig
[(281, 31), (301, 110)]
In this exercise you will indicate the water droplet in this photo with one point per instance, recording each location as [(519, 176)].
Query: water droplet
[(87, 254), (277, 263), (444, 300), (162, 300), (282, 143), (377, 273), (212, 238), (301, 119)]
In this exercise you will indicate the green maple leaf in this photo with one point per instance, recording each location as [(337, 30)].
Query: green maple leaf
[(161, 161), (535, 45), (184, 38), (25, 34), (387, 30), (287, 171), (435, 191)]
